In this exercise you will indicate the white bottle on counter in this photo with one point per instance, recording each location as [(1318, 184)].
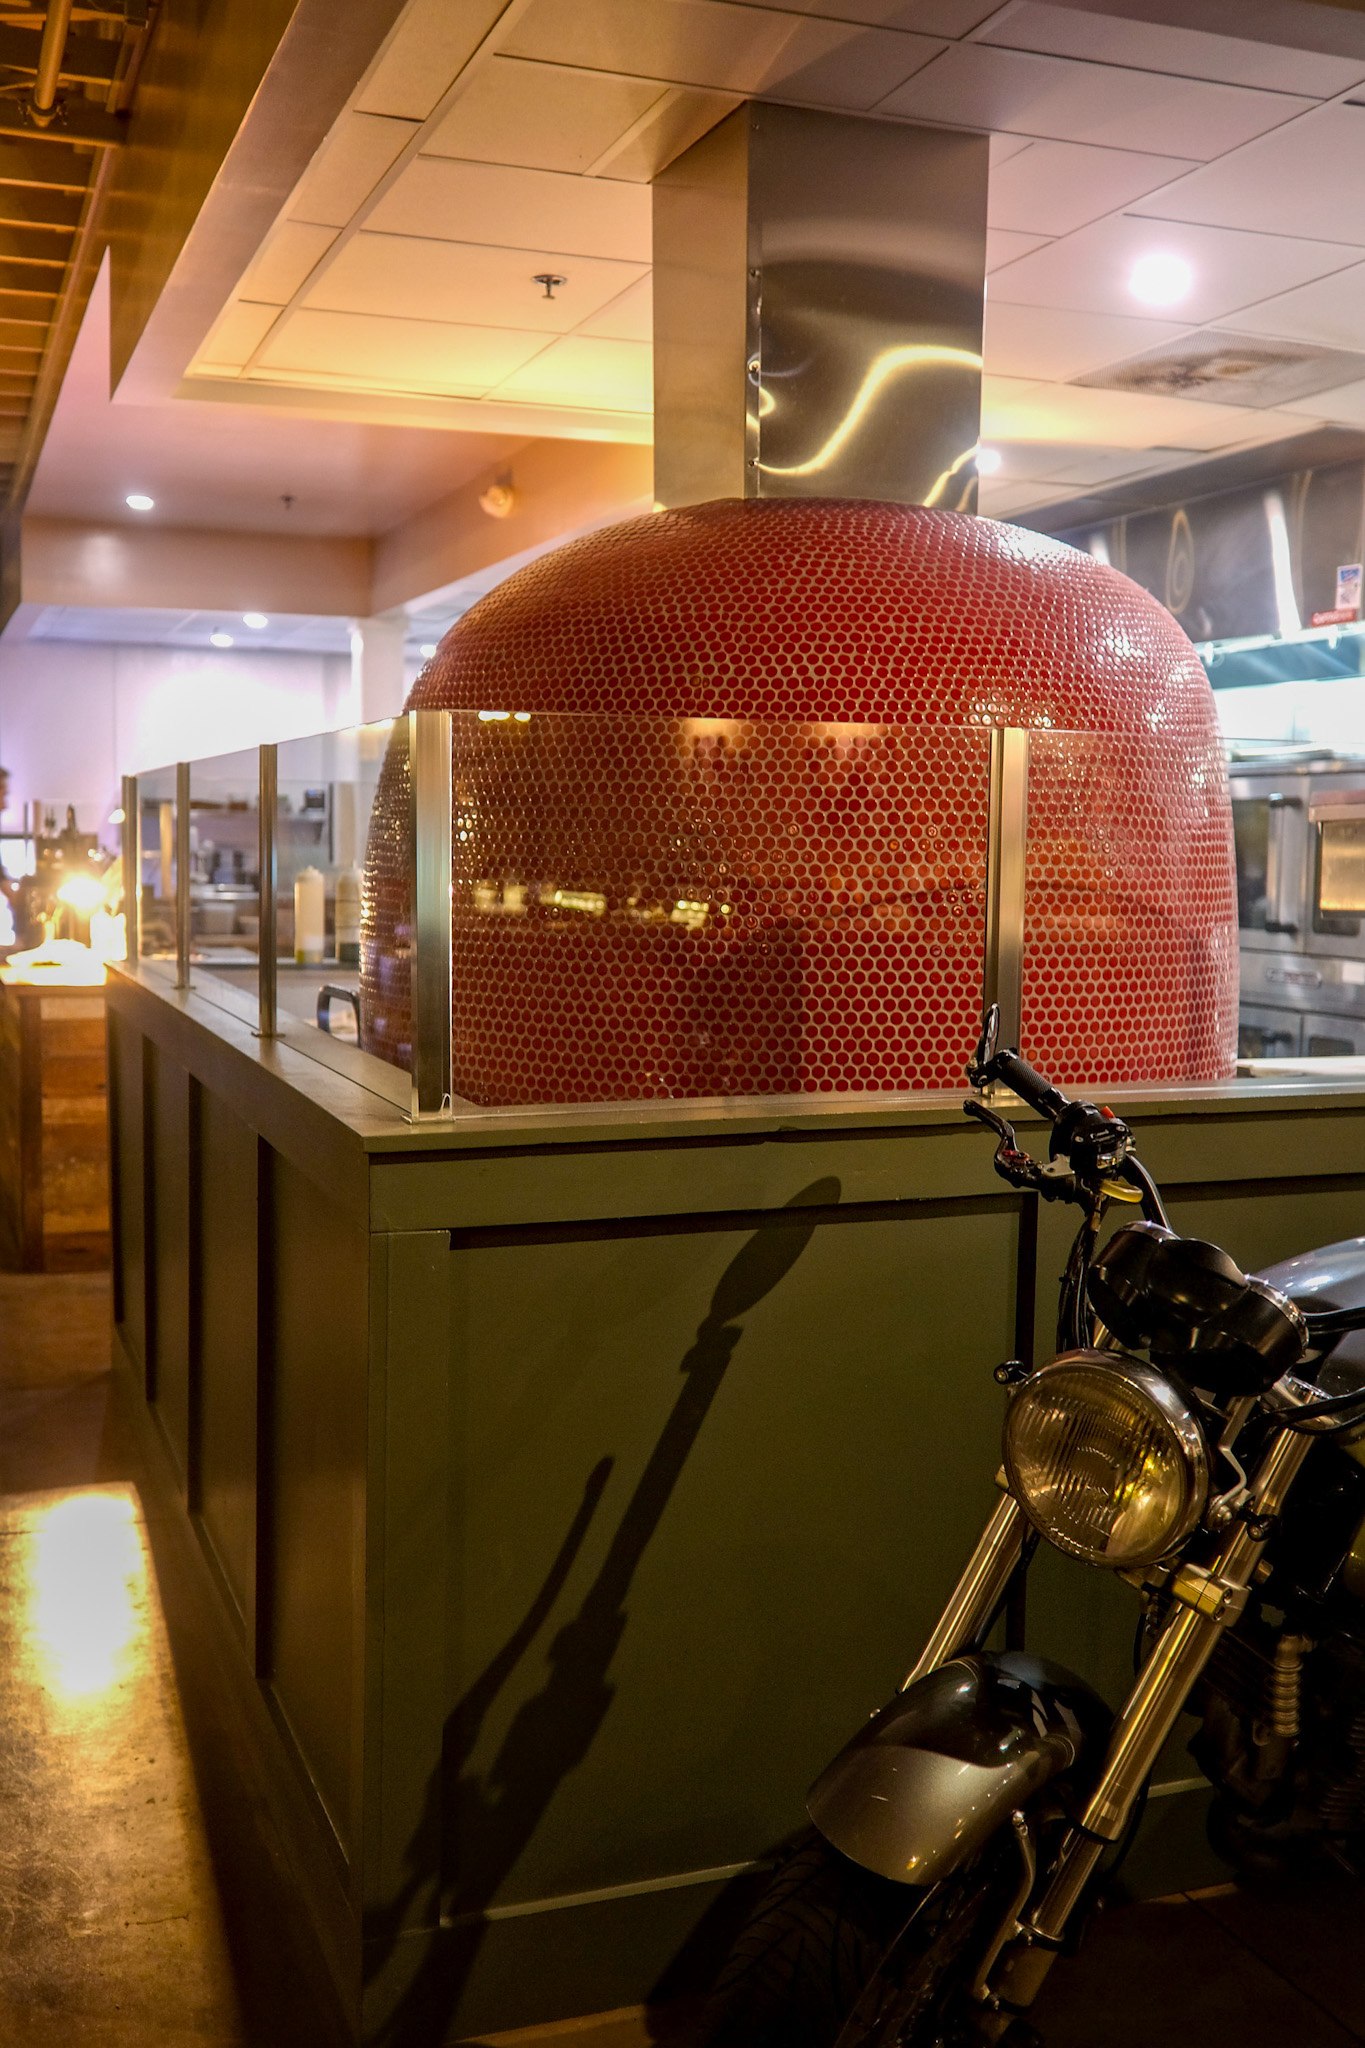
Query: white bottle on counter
[(310, 917), (348, 917)]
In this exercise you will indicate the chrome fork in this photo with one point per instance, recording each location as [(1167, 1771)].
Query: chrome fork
[(1207, 1601)]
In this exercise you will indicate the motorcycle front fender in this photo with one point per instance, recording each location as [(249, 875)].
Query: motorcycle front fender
[(934, 1774)]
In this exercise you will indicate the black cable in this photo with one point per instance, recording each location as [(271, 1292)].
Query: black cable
[(1332, 1322)]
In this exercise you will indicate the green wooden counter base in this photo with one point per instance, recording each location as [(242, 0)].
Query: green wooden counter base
[(575, 1481)]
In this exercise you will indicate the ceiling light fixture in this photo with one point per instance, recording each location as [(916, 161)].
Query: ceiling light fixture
[(1161, 279), (138, 501), (988, 461), (220, 639), (256, 620)]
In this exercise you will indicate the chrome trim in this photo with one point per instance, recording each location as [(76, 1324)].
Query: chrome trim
[(182, 874), (1006, 875), (1009, 1924), (131, 838), (267, 942), (429, 753)]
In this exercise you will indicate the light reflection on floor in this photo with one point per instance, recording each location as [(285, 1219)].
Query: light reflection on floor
[(84, 1585)]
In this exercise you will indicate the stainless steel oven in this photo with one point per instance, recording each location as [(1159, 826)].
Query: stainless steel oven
[(1299, 828)]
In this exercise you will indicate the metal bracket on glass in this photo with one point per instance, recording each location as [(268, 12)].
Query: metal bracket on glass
[(268, 798), (132, 868), (1006, 869), (429, 757), (182, 874)]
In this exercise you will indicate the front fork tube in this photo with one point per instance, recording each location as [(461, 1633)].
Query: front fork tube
[(1164, 1685), (979, 1591)]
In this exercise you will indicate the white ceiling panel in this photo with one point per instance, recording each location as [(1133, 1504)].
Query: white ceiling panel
[(1041, 341), (395, 355), (925, 17), (286, 259), (347, 168), (611, 376), (1344, 407), (975, 86), (1305, 179), (507, 207), (629, 318), (1004, 246), (1051, 188), (237, 334), (1331, 311), (1003, 501), (1188, 53), (672, 124), (1088, 272), (540, 115), (1014, 410), (414, 279), (733, 48), (430, 44)]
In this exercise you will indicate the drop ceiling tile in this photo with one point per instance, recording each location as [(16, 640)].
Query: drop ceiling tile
[(1041, 341), (1331, 311), (925, 17), (289, 254), (1088, 272), (540, 115), (730, 47), (376, 353), (347, 168), (1014, 410), (611, 376), (1150, 46), (430, 44), (1004, 246), (628, 318), (414, 279), (1344, 407), (1003, 500), (237, 333), (1051, 188), (501, 204), (671, 125), (975, 86), (1307, 176)]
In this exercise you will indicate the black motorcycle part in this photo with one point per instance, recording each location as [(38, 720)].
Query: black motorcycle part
[(1187, 1299), (934, 1774), (1328, 1281)]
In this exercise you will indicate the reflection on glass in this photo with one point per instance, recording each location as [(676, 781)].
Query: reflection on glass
[(84, 1588)]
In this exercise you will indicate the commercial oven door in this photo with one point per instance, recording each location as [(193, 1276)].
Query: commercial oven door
[(1264, 1034), (1270, 831), (1327, 1038), (1336, 821)]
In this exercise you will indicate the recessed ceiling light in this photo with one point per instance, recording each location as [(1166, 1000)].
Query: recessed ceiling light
[(138, 501), (427, 649), (1160, 279), (988, 461), (220, 639), (256, 620)]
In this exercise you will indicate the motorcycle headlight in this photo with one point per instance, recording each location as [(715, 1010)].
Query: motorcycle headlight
[(1106, 1459)]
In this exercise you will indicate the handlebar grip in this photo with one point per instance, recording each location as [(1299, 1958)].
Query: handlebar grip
[(1016, 1073)]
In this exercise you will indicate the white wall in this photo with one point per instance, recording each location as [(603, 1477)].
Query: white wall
[(75, 717)]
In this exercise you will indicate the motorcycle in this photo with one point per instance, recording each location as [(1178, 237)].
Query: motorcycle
[(1199, 1434)]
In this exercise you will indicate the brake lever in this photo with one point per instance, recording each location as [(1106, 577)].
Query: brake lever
[(1018, 1167)]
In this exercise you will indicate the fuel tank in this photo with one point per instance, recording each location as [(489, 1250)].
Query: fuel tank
[(936, 1772), (1331, 1276)]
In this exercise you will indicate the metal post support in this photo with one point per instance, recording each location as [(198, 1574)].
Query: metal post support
[(267, 802), (132, 866), (429, 757), (1006, 873), (182, 874)]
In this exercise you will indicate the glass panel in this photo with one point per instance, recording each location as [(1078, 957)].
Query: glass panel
[(225, 871), (1341, 878), (156, 911), (669, 908), (326, 792)]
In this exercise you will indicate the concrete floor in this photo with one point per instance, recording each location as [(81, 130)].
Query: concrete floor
[(143, 1893)]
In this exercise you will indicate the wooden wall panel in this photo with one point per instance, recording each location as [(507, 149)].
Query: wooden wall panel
[(170, 1236), (315, 1345), (225, 1345), (127, 1186)]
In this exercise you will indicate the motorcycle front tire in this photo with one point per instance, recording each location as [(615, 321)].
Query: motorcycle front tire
[(829, 1961)]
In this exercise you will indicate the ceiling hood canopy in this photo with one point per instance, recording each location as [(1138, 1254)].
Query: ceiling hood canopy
[(818, 299)]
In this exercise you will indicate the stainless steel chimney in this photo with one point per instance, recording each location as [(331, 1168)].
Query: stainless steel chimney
[(819, 282)]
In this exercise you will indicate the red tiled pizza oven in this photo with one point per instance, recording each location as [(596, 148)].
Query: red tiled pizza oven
[(735, 841)]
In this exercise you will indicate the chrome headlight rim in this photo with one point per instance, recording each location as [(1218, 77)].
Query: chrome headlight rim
[(1175, 1412)]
